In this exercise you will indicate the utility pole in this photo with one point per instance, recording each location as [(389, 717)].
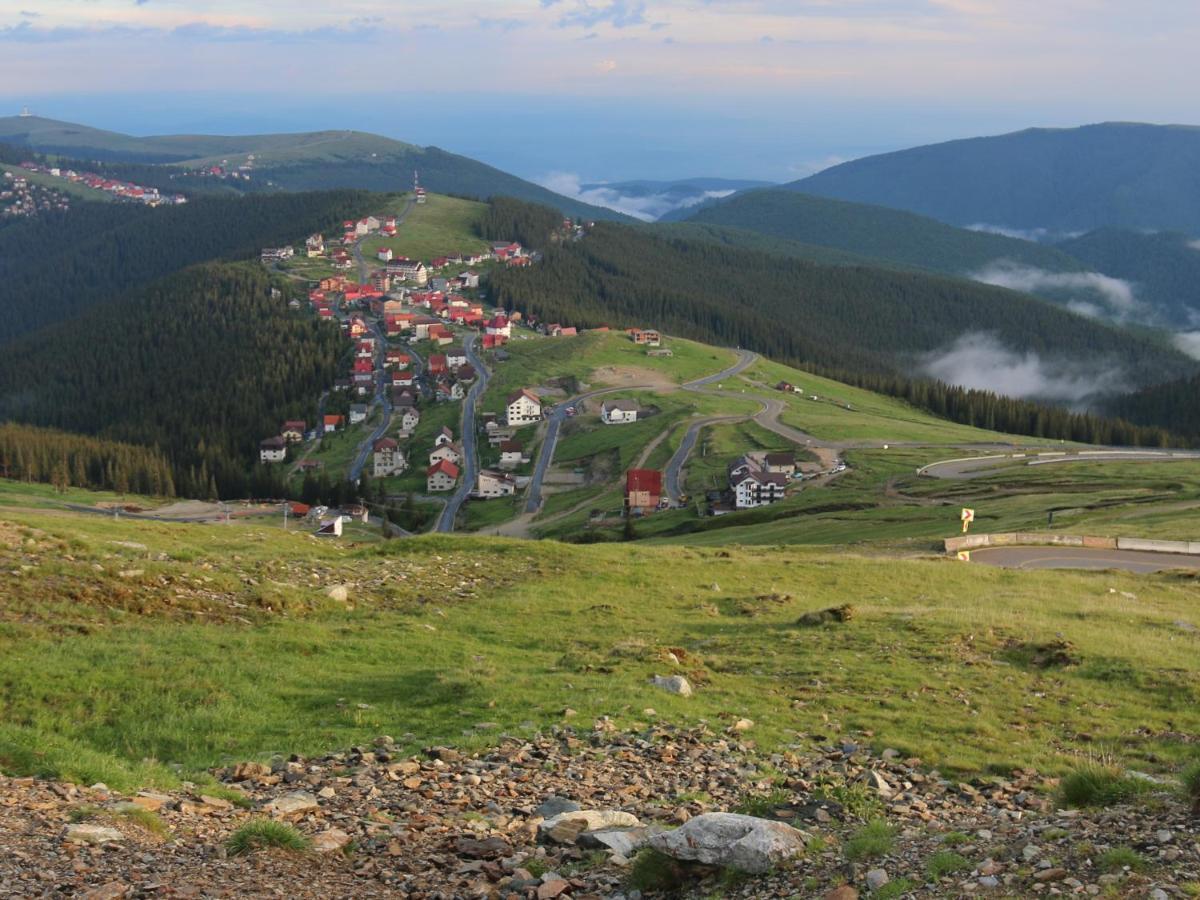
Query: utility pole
[(286, 508)]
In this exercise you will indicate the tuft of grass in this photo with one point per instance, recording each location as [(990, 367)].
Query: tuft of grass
[(655, 871), (1120, 858), (955, 839), (763, 805), (145, 819), (946, 862), (898, 887), (875, 839), (857, 799), (536, 867), (262, 834), (1096, 784), (233, 795), (1191, 785), (1191, 888), (84, 813)]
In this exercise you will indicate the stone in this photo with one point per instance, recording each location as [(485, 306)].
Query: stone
[(552, 806), (1030, 852), (876, 782), (488, 848), (293, 805), (150, 800), (114, 890), (93, 834), (745, 843), (331, 841), (593, 819), (1159, 894), (548, 890), (1163, 836), (877, 878), (675, 684), (1048, 875), (742, 725), (989, 881), (339, 593), (844, 892), (621, 841)]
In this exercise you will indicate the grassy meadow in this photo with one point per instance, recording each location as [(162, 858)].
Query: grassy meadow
[(139, 653), (440, 226)]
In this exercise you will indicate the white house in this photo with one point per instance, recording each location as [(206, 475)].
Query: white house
[(495, 484), (512, 454), (618, 412), (388, 458), (272, 450), (441, 477), (456, 357), (446, 453), (410, 419), (385, 254), (358, 413), (523, 408), (445, 436), (752, 485)]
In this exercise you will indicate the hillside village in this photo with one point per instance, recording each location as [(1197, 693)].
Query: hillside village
[(22, 198), (403, 423), (115, 188)]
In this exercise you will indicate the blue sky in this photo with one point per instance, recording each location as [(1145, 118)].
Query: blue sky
[(607, 89)]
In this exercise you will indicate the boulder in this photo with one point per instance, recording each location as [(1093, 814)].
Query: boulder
[(675, 684), (877, 878), (566, 827), (552, 806), (339, 593), (331, 841), (93, 834), (293, 805), (745, 843)]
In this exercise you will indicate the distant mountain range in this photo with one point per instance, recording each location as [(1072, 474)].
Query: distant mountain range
[(296, 162), (1039, 180)]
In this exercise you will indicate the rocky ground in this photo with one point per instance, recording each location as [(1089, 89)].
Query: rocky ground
[(563, 815)]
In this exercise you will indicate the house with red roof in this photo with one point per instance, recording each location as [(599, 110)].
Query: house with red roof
[(441, 476), (499, 324), (437, 364), (643, 491), (333, 423)]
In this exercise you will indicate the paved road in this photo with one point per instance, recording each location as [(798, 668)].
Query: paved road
[(470, 468), (983, 466), (675, 466), (1081, 558), (382, 399)]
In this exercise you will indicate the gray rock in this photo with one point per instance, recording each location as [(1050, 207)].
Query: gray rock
[(989, 881), (339, 593), (293, 805), (621, 841), (675, 684), (552, 806), (745, 843), (591, 820), (877, 878), (876, 782), (93, 834), (331, 841)]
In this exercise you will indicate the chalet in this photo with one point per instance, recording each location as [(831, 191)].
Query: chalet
[(388, 458), (402, 378), (465, 373), (341, 384), (523, 408), (646, 336), (359, 413), (512, 454), (782, 463), (364, 349), (468, 279), (493, 341), (506, 250), (441, 335), (409, 269), (493, 484), (421, 326), (396, 323), (315, 245), (389, 226), (752, 485), (443, 437), (364, 367), (437, 364), (276, 254), (384, 254), (355, 512), (456, 357), (441, 476), (293, 430), (272, 450), (446, 452), (409, 419), (403, 399), (443, 390), (619, 412), (333, 423), (643, 491), (357, 326), (498, 325)]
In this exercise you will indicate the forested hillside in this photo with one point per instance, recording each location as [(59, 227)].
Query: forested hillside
[(875, 231), (54, 267), (867, 326), (1174, 405), (1062, 180), (202, 365), (1164, 268), (75, 460)]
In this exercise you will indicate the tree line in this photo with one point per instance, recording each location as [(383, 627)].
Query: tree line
[(74, 460)]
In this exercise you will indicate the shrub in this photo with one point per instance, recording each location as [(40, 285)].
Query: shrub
[(946, 862), (1119, 858), (655, 871), (1100, 785), (261, 834), (876, 838), (1191, 785), (955, 838)]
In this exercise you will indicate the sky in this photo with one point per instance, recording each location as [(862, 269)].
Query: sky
[(602, 90)]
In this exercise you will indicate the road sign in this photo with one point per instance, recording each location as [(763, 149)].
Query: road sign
[(968, 516)]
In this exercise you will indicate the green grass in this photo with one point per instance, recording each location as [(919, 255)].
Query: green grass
[(946, 862), (265, 834), (439, 227), (480, 515), (875, 839), (226, 647), (1190, 783), (1100, 784), (1120, 858), (763, 805), (894, 889)]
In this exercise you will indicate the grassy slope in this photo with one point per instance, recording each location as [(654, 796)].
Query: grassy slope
[(105, 676), (82, 191), (440, 226)]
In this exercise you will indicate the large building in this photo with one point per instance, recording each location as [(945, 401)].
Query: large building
[(643, 490), (523, 407), (753, 484)]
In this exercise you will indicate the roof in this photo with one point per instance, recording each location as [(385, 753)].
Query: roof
[(782, 458), (623, 405), (298, 424), (511, 447), (444, 466), (272, 443), (333, 420), (649, 480), (523, 392), (385, 444)]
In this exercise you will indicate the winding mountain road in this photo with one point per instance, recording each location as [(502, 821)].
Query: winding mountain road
[(470, 467)]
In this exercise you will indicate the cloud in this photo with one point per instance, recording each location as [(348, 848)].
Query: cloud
[(1187, 342), (649, 207), (606, 65), (1195, 245), (1102, 294), (978, 360), (1037, 235), (617, 13)]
